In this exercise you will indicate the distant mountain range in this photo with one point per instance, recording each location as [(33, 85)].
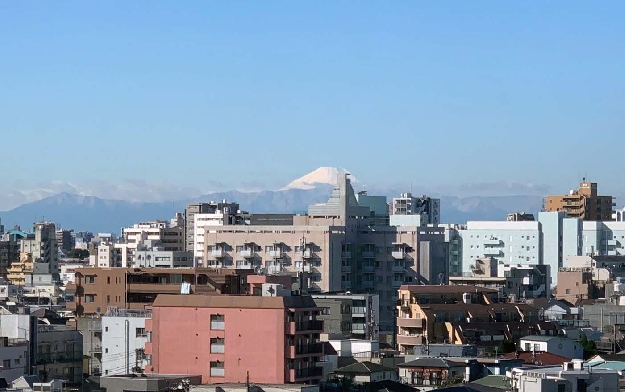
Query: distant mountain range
[(103, 215)]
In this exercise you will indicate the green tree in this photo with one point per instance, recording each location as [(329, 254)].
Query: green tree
[(590, 348), (80, 254), (507, 346)]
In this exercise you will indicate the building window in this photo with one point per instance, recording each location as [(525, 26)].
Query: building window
[(326, 311), (90, 279), (89, 298), (218, 322), (140, 333), (217, 345), (568, 291), (17, 361), (6, 364), (218, 369)]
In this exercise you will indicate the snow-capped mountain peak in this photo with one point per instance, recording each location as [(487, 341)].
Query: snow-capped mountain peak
[(322, 175)]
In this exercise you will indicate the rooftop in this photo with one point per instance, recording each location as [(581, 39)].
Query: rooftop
[(542, 358), (233, 301), (440, 289), (365, 367)]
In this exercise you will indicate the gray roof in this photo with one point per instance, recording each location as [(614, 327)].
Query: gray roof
[(365, 367), (538, 338), (426, 362)]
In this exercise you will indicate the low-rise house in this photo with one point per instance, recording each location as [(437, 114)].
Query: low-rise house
[(366, 372), (570, 376), (429, 373), (554, 344)]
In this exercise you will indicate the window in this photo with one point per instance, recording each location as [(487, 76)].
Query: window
[(6, 364), (325, 311), (108, 299), (217, 322), (108, 280), (90, 279), (89, 298), (568, 291), (217, 345), (17, 361), (218, 369), (140, 333)]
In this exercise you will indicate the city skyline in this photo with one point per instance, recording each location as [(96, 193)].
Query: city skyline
[(168, 94)]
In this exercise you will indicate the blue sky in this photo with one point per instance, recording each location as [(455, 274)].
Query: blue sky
[(187, 93)]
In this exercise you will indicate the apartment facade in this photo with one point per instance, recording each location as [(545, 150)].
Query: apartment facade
[(583, 203), (97, 289), (461, 315), (124, 337), (350, 316), (42, 246), (172, 238), (426, 209), (59, 353), (219, 342), (511, 281)]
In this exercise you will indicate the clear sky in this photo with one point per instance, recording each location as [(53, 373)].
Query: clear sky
[(261, 92)]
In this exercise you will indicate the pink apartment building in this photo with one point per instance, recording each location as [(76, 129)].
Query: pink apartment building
[(223, 338)]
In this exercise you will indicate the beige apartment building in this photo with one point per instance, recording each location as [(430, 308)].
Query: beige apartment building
[(338, 249), (583, 203)]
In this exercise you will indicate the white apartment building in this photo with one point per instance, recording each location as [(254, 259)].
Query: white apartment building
[(570, 376), (408, 210), (123, 341), (202, 224), (172, 238), (510, 242)]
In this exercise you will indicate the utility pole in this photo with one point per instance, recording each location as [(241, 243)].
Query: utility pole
[(247, 381)]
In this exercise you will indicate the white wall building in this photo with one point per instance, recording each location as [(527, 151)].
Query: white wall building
[(565, 347), (123, 341), (201, 225), (569, 377)]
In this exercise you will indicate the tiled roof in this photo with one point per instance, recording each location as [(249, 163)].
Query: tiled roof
[(365, 367), (543, 358)]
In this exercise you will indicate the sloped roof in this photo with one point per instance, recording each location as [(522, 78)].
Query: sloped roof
[(619, 366), (426, 362), (543, 358), (500, 382), (365, 367)]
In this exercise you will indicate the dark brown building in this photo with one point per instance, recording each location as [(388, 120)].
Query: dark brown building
[(96, 289)]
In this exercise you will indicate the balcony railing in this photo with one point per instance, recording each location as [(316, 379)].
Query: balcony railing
[(276, 254), (308, 372), (359, 310), (315, 348), (368, 254), (346, 268), (307, 254), (346, 255), (398, 254), (247, 253), (45, 358), (304, 326), (218, 253), (410, 322)]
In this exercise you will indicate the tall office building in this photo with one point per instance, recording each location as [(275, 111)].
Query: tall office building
[(583, 203)]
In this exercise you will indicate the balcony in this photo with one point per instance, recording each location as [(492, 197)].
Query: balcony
[(310, 326), (154, 288), (244, 265), (528, 280), (218, 253), (307, 254), (346, 255), (96, 349), (492, 242), (398, 254), (300, 375), (410, 322), (368, 283), (299, 350), (397, 283), (398, 268), (411, 340), (612, 242), (346, 269), (346, 285), (247, 253), (359, 311), (492, 251), (368, 268), (276, 253), (359, 328), (368, 254)]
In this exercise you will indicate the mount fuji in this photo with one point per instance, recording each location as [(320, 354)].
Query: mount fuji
[(100, 214)]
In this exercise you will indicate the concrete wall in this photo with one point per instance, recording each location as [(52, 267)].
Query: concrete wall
[(121, 338)]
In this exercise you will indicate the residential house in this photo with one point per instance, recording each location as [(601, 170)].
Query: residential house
[(570, 377), (429, 373), (565, 347), (366, 372)]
